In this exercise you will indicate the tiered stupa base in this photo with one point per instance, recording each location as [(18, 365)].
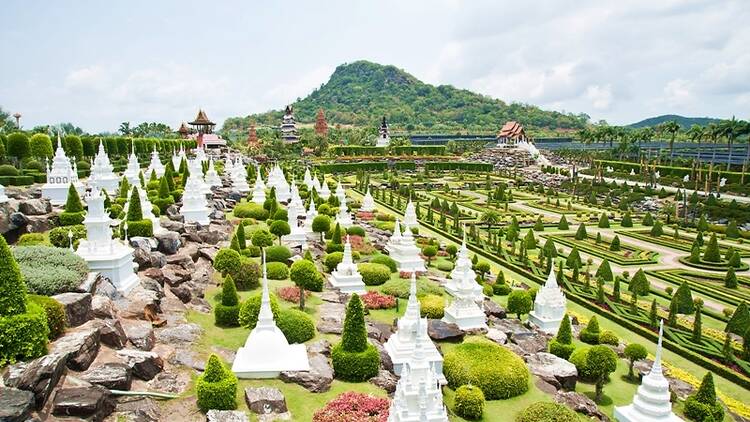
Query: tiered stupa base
[(467, 318), (58, 193), (117, 266), (548, 325), (252, 362), (402, 352), (630, 414), (199, 216), (348, 283)]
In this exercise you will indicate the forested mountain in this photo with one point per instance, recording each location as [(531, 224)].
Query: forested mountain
[(684, 122), (360, 93)]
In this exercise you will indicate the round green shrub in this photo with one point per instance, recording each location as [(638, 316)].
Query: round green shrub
[(71, 218), (251, 307), (23, 336), (8, 170), (547, 412), (32, 239), (445, 266), (59, 236), (561, 350), (334, 247), (469, 402), (250, 210), (227, 261), (400, 288), (278, 253), (216, 388), (497, 371), (501, 289), (590, 333), (385, 260), (297, 326), (355, 366), (49, 271), (578, 358), (253, 251), (432, 306), (35, 165), (356, 231), (608, 337), (487, 289), (277, 271), (332, 260), (374, 274), (55, 313)]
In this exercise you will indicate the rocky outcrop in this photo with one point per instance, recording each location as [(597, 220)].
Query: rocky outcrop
[(226, 416), (39, 376), (553, 370), (15, 405), (140, 334), (77, 307), (385, 380), (93, 403), (168, 242), (580, 404), (79, 347), (114, 376)]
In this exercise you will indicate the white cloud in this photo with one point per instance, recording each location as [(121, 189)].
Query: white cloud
[(287, 91), (87, 78), (677, 93), (600, 96)]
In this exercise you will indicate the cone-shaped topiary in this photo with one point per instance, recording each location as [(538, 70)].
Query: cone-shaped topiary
[(740, 320), (732, 230), (241, 236), (695, 253), (354, 359), (574, 259), (590, 334), (235, 243), (652, 314), (604, 221), (73, 203), (135, 212), (702, 404), (657, 229), (730, 280), (164, 188), (648, 220), (614, 246), (229, 295), (684, 298), (336, 238), (627, 220), (216, 388), (563, 224), (581, 232), (735, 261), (124, 188), (226, 313), (712, 253), (639, 284), (562, 345), (12, 287), (530, 240), (604, 271), (539, 225), (697, 325), (354, 336)]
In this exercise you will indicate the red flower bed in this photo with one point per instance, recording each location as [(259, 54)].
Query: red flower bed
[(365, 215), (375, 300), (407, 274), (360, 245), (290, 293), (354, 407)]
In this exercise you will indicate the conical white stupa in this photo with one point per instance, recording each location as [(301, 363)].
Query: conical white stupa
[(410, 216), (343, 217), (212, 177), (297, 233), (102, 175), (652, 399), (307, 180), (296, 206), (155, 165), (134, 168), (463, 271), (368, 203), (549, 306), (60, 176), (403, 250), (464, 310), (324, 191), (259, 189), (346, 276), (267, 352), (194, 205), (310, 216)]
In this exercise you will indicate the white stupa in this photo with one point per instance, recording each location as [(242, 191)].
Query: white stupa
[(401, 344), (310, 216), (316, 185), (277, 179), (177, 159), (346, 276), (60, 176), (549, 306), (194, 205), (296, 206), (239, 177), (155, 165), (463, 310), (3, 197), (410, 216), (228, 165), (368, 203), (111, 257), (307, 180), (463, 272), (340, 192), (343, 217), (297, 233), (200, 154), (134, 169), (196, 168), (651, 402), (259, 189), (267, 352), (324, 191), (418, 396), (404, 251), (102, 174), (212, 177)]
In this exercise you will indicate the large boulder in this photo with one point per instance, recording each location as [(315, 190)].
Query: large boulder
[(554, 370), (264, 400), (103, 307), (80, 346), (112, 334), (510, 326), (318, 379), (385, 380), (39, 376), (92, 403), (140, 334), (385, 359), (530, 343), (492, 309), (497, 336), (580, 404), (180, 334), (113, 375), (168, 242), (145, 365), (15, 405), (214, 415), (37, 206), (77, 307), (439, 330)]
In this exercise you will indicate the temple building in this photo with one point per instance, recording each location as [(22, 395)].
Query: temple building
[(321, 126), (288, 126), (252, 138), (184, 131), (204, 135), (511, 133), (60, 176), (384, 138)]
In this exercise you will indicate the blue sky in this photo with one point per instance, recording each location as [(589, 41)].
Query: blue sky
[(97, 63)]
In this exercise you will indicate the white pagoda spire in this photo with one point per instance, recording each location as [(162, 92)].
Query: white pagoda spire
[(549, 305), (212, 177), (259, 189), (155, 165), (463, 310), (346, 276), (463, 271), (410, 215)]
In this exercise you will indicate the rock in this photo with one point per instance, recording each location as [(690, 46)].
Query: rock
[(187, 358), (226, 416), (154, 286), (264, 400), (16, 405), (530, 343), (93, 403), (142, 258), (554, 370), (213, 235), (39, 376), (333, 312), (330, 327), (138, 409), (317, 380), (39, 223), (145, 365), (321, 346), (157, 259), (182, 334), (18, 219), (385, 330), (190, 250), (77, 307), (497, 336), (170, 382), (182, 292), (35, 207), (140, 303), (333, 296), (173, 226), (112, 334), (208, 252), (183, 259), (145, 243), (112, 375), (102, 307), (168, 242), (80, 347), (493, 309), (580, 404), (140, 334), (385, 359), (545, 386), (510, 326), (385, 380), (443, 331), (104, 287)]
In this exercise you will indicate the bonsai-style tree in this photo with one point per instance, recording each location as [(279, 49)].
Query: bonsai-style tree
[(581, 232), (452, 250), (280, 228), (429, 252), (604, 271), (600, 362), (519, 302), (703, 404), (604, 221), (262, 238), (305, 275), (614, 246), (563, 224), (321, 224), (483, 268), (634, 352), (712, 253)]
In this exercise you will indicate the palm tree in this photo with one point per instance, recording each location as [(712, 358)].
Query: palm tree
[(672, 128), (713, 133), (730, 129), (490, 218), (696, 133)]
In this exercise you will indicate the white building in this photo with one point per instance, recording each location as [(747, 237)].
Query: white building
[(60, 176), (404, 251), (463, 271), (102, 173), (549, 306)]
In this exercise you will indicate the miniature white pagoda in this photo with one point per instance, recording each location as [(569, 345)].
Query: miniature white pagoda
[(297, 233), (239, 177), (307, 179), (60, 176), (404, 251), (194, 205), (296, 206), (368, 203), (463, 272), (549, 306), (346, 276), (177, 158), (316, 185), (212, 177), (310, 216), (259, 189), (133, 170), (3, 197), (196, 168), (111, 257), (418, 396), (200, 154), (412, 330), (324, 191), (343, 217), (651, 402), (102, 174), (340, 192), (410, 216), (155, 165), (384, 139), (148, 210), (276, 179), (267, 352)]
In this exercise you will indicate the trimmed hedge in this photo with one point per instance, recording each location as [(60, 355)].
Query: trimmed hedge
[(55, 313), (469, 402), (432, 306), (385, 260), (32, 239), (278, 253), (277, 271), (400, 288), (297, 326), (23, 336), (355, 366), (59, 236), (250, 210), (216, 388), (251, 307), (497, 371), (374, 274), (547, 412)]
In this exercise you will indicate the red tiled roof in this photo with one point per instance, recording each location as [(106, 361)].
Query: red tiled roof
[(511, 130)]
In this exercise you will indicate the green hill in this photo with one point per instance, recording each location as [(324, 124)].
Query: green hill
[(360, 93), (684, 122)]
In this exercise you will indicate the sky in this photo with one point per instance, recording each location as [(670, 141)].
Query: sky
[(97, 63)]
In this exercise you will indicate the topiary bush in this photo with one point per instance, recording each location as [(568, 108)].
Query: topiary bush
[(32, 239), (49, 271), (143, 228), (227, 261), (8, 170), (278, 253), (55, 313), (297, 326), (332, 260), (497, 371), (501, 289), (59, 236), (590, 334), (562, 345), (374, 274), (354, 359), (469, 402), (277, 271), (250, 210), (702, 404), (547, 412), (444, 266), (432, 306), (227, 311), (385, 260), (400, 288), (608, 337), (578, 358), (251, 307), (216, 388), (356, 231)]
